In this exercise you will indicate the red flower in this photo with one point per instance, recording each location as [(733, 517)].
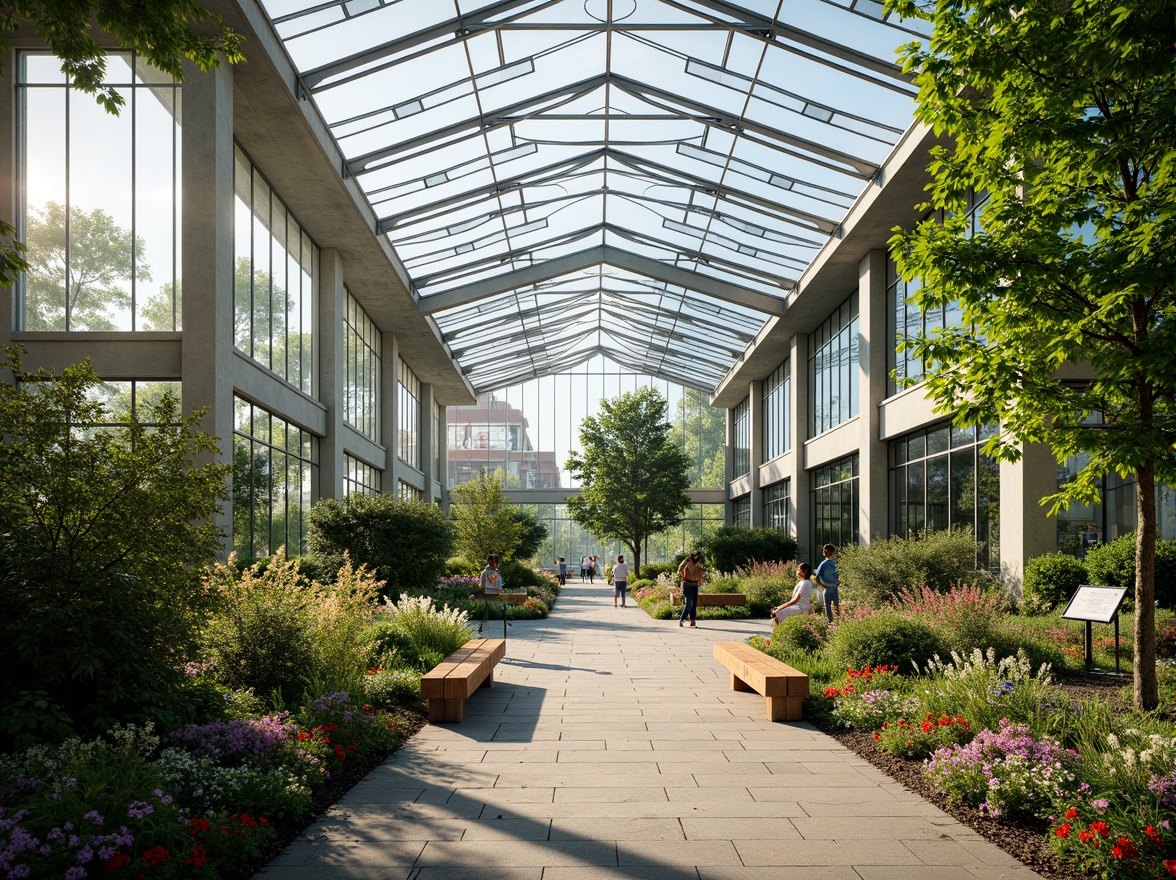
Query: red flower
[(262, 821), (155, 856), (198, 826), (1085, 836), (303, 735), (1072, 813), (117, 861), (198, 858), (1124, 850), (1170, 864), (1153, 836), (1063, 830), (877, 736), (927, 727), (1102, 829)]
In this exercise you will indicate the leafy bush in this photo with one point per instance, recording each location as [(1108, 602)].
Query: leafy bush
[(965, 617), (103, 534), (392, 687), (407, 544), (918, 739), (881, 570), (801, 633), (277, 635), (987, 688), (870, 709), (518, 577), (428, 629), (650, 570), (765, 593), (641, 584), (730, 547), (1113, 565), (1051, 579), (722, 585), (885, 638), (458, 566), (1004, 773)]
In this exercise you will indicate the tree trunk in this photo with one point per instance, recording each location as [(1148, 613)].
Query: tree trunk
[(1147, 696)]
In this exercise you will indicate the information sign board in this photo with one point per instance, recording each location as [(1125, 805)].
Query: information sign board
[(1095, 604)]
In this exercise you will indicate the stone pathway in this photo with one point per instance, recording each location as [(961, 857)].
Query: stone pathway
[(611, 746)]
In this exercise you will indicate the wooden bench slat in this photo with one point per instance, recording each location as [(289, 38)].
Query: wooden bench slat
[(449, 684), (782, 687)]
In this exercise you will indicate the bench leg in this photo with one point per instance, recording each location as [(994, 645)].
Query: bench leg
[(738, 684), (446, 711), (784, 708), (489, 682)]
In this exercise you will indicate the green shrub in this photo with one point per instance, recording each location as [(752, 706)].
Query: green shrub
[(1113, 565), (430, 630), (965, 617), (458, 566), (731, 547), (722, 585), (1051, 579), (103, 534), (650, 570), (885, 638), (876, 573), (988, 686), (801, 633), (390, 687), (765, 593), (518, 577), (405, 543), (641, 584)]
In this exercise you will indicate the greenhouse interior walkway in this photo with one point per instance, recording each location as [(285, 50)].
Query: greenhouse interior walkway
[(610, 746)]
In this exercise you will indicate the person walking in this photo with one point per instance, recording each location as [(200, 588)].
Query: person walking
[(563, 572), (491, 587), (828, 580), (583, 567), (620, 581), (690, 577), (802, 596), (591, 569)]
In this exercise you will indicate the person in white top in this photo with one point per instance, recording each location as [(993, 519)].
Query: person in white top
[(802, 596), (620, 581)]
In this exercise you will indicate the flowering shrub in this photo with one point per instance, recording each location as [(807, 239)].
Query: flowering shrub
[(1138, 766), (338, 730), (427, 627), (392, 687), (920, 738), (965, 616), (802, 632), (871, 709), (987, 690), (1004, 773), (1114, 847)]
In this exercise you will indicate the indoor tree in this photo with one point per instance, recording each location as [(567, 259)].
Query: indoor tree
[(633, 477), (484, 521), (1064, 116)]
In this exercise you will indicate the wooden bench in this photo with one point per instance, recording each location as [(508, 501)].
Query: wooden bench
[(711, 600), (451, 682), (783, 688), (513, 598)]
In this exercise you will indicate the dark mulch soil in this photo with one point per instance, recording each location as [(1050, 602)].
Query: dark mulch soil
[(1025, 842)]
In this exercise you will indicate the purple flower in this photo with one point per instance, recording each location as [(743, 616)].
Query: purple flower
[(85, 854), (72, 782), (75, 873), (95, 817), (124, 837)]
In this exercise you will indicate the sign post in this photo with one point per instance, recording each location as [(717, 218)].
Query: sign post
[(1096, 605)]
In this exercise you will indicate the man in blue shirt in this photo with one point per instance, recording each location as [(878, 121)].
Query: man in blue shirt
[(828, 580)]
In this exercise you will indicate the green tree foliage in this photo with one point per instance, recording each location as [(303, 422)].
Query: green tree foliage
[(103, 533), (1113, 565), (484, 520), (633, 477), (405, 543), (732, 547), (532, 533), (96, 276), (701, 431), (1065, 115)]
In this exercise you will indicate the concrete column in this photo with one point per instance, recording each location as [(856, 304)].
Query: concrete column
[(755, 408), (389, 412), (207, 259), (729, 464), (9, 320), (428, 441), (872, 349), (442, 486), (798, 404), (1025, 529), (332, 306)]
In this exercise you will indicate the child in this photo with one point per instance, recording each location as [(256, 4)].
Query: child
[(802, 596), (828, 580)]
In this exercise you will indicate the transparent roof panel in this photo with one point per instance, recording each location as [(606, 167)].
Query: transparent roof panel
[(639, 179)]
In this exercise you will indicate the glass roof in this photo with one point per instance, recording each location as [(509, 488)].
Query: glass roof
[(642, 179)]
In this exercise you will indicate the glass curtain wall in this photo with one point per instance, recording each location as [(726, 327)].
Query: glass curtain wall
[(100, 198), (833, 369), (359, 477), (940, 479), (273, 469), (526, 431), (274, 280), (835, 502), (777, 498), (409, 492), (409, 446), (777, 431), (741, 441), (131, 398), (361, 382), (741, 512)]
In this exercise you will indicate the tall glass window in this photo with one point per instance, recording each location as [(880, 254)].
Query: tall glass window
[(409, 447), (273, 466), (359, 477), (361, 383), (274, 281), (741, 512), (835, 502), (777, 415), (741, 451), (907, 321), (833, 369), (409, 492), (100, 198), (939, 478), (777, 498)]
